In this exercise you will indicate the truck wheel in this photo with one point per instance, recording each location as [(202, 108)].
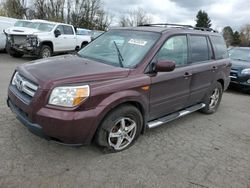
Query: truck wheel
[(45, 51), (120, 128), (213, 99), (84, 44)]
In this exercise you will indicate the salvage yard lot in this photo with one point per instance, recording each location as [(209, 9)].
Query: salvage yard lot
[(195, 151)]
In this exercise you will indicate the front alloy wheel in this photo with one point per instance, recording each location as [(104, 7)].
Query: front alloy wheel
[(120, 128), (122, 134), (45, 52)]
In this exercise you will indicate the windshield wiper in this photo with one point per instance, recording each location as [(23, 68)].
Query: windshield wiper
[(119, 55)]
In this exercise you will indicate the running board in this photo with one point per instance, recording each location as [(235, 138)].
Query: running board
[(175, 115)]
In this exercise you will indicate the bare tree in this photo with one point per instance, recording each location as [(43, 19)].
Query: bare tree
[(102, 20), (16, 8), (135, 18), (245, 35), (80, 13)]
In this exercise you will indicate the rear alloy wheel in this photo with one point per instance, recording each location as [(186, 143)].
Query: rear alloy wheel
[(213, 99), (45, 52), (120, 128)]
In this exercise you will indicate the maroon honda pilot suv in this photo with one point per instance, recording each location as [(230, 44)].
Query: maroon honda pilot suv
[(126, 81)]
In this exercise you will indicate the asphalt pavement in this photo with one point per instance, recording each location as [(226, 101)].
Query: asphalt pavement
[(196, 151)]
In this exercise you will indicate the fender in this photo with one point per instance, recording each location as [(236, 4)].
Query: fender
[(119, 98)]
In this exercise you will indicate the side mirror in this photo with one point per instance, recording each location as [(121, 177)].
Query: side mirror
[(57, 33), (164, 66)]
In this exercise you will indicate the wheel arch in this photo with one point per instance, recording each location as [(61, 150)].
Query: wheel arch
[(221, 81), (132, 100), (48, 43)]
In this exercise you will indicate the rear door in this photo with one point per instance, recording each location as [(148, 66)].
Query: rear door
[(69, 38), (203, 65), (170, 90)]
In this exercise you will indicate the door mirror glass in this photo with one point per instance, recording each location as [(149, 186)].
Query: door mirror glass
[(164, 66), (57, 33)]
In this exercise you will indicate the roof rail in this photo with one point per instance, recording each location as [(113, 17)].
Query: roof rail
[(181, 26)]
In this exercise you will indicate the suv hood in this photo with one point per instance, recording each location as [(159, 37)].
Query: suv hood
[(239, 65), (21, 31), (69, 69)]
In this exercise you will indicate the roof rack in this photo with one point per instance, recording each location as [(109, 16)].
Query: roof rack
[(181, 26)]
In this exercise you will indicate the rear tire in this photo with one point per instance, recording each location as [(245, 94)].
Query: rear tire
[(213, 99), (45, 51), (121, 127)]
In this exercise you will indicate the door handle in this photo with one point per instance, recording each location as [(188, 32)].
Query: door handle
[(187, 75)]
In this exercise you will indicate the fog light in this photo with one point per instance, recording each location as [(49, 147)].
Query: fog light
[(248, 81)]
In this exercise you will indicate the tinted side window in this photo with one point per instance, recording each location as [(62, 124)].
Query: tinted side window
[(60, 28), (219, 46), (68, 30), (199, 48), (174, 49)]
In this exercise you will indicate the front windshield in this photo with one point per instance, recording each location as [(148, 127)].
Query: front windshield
[(42, 26), (240, 54), (117, 45), (22, 23)]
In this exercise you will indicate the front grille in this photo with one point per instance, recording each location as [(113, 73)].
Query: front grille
[(233, 74), (19, 39), (24, 86)]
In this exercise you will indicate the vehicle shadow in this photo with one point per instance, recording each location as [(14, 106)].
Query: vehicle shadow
[(237, 91)]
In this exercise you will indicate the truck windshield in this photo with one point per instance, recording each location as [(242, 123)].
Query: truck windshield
[(22, 23), (115, 46), (42, 26)]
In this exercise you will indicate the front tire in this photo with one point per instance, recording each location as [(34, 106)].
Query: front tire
[(213, 99), (120, 128), (45, 51)]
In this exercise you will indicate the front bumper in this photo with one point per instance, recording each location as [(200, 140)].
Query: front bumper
[(66, 127), (26, 47), (239, 80)]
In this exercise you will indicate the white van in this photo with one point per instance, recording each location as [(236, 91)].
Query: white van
[(5, 23)]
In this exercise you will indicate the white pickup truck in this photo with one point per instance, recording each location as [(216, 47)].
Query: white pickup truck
[(43, 39), (5, 23)]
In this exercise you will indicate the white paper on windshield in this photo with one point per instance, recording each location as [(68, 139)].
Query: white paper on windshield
[(137, 42)]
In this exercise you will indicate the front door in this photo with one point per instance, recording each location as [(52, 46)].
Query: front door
[(170, 90)]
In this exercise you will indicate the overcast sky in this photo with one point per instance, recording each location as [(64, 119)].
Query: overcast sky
[(221, 12)]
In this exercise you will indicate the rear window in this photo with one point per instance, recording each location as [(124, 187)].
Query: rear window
[(220, 48), (199, 48)]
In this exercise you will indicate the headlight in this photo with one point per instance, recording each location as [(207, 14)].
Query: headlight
[(14, 79), (69, 96), (245, 71)]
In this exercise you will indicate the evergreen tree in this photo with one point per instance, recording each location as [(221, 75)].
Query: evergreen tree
[(236, 38), (228, 35), (202, 19)]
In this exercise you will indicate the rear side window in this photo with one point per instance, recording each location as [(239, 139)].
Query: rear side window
[(199, 48), (68, 30), (219, 45)]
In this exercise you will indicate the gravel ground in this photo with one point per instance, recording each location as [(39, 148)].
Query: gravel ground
[(196, 151)]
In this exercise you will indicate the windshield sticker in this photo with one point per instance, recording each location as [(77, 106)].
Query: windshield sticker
[(138, 42)]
